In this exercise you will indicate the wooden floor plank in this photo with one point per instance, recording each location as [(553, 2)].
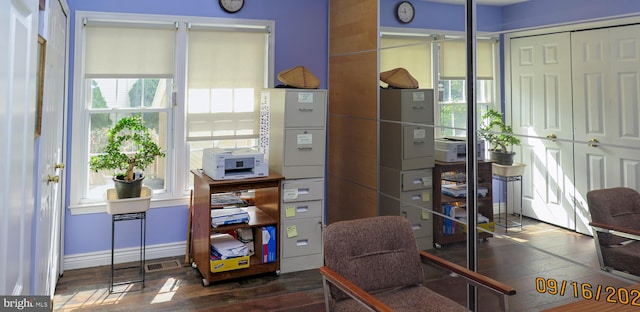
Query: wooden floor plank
[(510, 259)]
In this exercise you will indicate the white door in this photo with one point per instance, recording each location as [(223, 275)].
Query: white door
[(541, 110), (19, 37), (606, 84), (50, 213)]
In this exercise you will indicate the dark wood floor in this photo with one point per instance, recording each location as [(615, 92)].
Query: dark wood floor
[(517, 259)]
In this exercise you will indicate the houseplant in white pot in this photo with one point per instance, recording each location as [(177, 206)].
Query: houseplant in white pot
[(500, 138), (140, 152)]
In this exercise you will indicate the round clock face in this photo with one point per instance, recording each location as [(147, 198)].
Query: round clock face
[(405, 12), (231, 6)]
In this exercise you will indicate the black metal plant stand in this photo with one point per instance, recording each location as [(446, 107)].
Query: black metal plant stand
[(142, 216), (508, 223)]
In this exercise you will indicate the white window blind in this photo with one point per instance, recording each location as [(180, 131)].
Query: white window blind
[(225, 73), (139, 51), (414, 54), (453, 61)]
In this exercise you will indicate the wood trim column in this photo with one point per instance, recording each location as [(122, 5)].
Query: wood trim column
[(353, 110)]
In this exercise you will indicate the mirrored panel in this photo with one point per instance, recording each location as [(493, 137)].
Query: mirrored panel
[(556, 86)]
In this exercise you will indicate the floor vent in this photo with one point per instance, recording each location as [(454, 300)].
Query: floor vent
[(161, 266)]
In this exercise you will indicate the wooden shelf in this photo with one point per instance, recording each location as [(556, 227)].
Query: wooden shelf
[(257, 218), (485, 204), (266, 212)]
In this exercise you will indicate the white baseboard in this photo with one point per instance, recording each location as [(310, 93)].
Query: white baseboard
[(98, 258)]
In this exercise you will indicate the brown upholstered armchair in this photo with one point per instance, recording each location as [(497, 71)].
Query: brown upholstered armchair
[(615, 216), (373, 264)]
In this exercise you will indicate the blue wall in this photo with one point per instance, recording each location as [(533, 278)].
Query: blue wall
[(301, 39), (537, 13), (440, 16)]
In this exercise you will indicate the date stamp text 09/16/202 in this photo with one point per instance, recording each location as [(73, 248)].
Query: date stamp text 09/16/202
[(587, 291)]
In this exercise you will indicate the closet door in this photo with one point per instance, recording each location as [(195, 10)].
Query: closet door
[(606, 84), (541, 111)]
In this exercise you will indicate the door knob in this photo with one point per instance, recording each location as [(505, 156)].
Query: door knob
[(593, 142), (552, 137), (54, 179), (59, 166)]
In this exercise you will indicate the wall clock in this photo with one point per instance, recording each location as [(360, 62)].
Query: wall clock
[(231, 6), (405, 12)]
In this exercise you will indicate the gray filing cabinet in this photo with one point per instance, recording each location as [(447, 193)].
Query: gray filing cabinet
[(296, 149), (409, 193), (406, 128), (301, 214), (407, 159)]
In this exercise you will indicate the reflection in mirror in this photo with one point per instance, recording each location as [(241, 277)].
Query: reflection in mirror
[(564, 76)]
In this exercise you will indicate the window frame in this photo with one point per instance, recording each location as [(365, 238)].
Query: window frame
[(178, 175), (497, 96)]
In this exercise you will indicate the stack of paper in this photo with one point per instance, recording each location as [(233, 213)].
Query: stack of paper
[(460, 190), (462, 216), (219, 200), (229, 216), (224, 246)]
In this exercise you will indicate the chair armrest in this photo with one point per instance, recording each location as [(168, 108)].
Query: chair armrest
[(616, 230), (468, 274), (353, 291)]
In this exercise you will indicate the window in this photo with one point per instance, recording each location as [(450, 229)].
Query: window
[(195, 81), (223, 111), (452, 97), (452, 100), (412, 52), (110, 99)]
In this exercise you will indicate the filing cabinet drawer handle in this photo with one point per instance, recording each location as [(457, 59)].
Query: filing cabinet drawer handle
[(305, 109), (418, 107), (302, 148), (302, 242), (303, 191), (418, 142), (302, 209)]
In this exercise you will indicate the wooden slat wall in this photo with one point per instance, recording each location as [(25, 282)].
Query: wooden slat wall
[(353, 110)]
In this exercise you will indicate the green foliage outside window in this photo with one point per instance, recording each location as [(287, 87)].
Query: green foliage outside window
[(142, 93), (98, 121)]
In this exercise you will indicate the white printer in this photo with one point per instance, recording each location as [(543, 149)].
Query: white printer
[(231, 164), (453, 149)]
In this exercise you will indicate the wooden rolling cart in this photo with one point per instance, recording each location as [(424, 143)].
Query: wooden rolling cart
[(266, 213), (455, 172)]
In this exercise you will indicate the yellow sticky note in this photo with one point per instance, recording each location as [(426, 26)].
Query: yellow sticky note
[(292, 231), (426, 196), (290, 211), (425, 215)]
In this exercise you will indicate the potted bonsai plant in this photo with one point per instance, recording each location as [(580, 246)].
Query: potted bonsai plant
[(500, 138), (141, 152)]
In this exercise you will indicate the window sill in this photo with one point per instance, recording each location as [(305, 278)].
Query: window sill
[(102, 207)]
